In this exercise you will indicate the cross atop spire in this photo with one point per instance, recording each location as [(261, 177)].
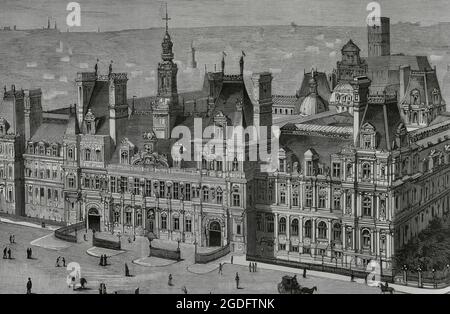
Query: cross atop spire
[(167, 19)]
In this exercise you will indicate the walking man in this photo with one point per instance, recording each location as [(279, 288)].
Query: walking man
[(237, 280), (13, 238), (29, 286), (127, 271), (101, 260), (9, 253), (304, 272), (220, 268), (4, 252), (250, 266), (170, 280), (57, 261), (105, 260), (64, 262)]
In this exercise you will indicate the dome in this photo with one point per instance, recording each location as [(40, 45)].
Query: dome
[(343, 92), (312, 104)]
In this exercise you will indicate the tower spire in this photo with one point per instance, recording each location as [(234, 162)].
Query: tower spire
[(167, 19)]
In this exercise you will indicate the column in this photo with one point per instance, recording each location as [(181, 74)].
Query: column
[(300, 230), (275, 229), (289, 193), (343, 236), (288, 237)]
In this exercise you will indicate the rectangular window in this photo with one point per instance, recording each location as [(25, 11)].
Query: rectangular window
[(128, 218), (148, 188), (282, 165), (188, 225), (124, 184), (283, 197), (282, 247), (97, 183), (236, 200), (137, 186), (113, 185), (336, 170), (175, 190), (164, 222), (294, 248), (42, 196), (308, 197), (161, 189), (187, 194), (337, 202), (306, 250), (295, 199), (238, 229)]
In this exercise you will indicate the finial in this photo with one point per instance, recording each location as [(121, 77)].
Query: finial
[(110, 68)]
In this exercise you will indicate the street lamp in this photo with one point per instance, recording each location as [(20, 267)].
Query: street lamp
[(405, 274), (434, 278), (419, 283)]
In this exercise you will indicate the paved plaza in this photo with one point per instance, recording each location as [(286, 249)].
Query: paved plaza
[(149, 274)]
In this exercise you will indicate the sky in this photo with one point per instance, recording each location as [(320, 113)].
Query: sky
[(126, 14)]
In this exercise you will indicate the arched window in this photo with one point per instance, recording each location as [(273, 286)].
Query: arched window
[(366, 239), (41, 149), (54, 150), (282, 226), (98, 155), (308, 229), (367, 206), (116, 216), (87, 154), (337, 233), (235, 164), (219, 196), (322, 228), (204, 163), (294, 227), (124, 157), (70, 153), (163, 221)]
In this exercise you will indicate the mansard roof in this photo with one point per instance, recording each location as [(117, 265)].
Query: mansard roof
[(51, 132), (426, 83)]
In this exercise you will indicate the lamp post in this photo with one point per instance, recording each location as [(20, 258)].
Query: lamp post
[(434, 278), (419, 283), (405, 274)]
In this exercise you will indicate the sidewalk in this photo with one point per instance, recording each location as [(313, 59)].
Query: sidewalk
[(242, 261), (28, 224)]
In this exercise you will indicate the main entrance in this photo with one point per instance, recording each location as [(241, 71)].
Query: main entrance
[(150, 225), (215, 234), (94, 219)]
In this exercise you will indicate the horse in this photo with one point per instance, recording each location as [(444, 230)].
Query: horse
[(386, 288), (305, 290)]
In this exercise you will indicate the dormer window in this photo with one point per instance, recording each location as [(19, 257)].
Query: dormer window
[(87, 154), (90, 122), (415, 97), (55, 150), (124, 157), (368, 136), (436, 97), (41, 149)]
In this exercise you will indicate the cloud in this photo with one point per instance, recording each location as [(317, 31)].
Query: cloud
[(31, 64), (329, 45), (333, 54), (48, 76), (312, 49), (338, 41), (63, 79), (130, 64), (275, 70), (288, 55), (83, 66), (136, 73), (150, 79), (320, 37), (435, 58), (65, 59), (49, 95)]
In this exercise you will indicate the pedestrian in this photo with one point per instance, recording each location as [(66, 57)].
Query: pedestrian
[(57, 261), (31, 253), (220, 268), (85, 237), (255, 266), (5, 250), (136, 291), (250, 266), (184, 289), (28, 253), (105, 261), (134, 238), (127, 271), (10, 239), (304, 272), (29, 286), (352, 277), (101, 260), (237, 280), (231, 259), (64, 262), (13, 238), (170, 280), (100, 288), (9, 253)]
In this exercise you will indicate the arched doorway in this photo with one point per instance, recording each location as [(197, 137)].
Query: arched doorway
[(215, 234), (94, 219), (150, 224)]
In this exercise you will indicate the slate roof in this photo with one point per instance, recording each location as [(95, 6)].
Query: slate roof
[(51, 132)]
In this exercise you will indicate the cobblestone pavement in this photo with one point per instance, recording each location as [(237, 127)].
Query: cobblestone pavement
[(150, 279)]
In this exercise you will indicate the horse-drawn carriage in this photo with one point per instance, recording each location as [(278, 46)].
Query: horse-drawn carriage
[(290, 285)]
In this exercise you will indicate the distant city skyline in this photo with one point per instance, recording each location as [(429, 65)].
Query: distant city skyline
[(119, 14)]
